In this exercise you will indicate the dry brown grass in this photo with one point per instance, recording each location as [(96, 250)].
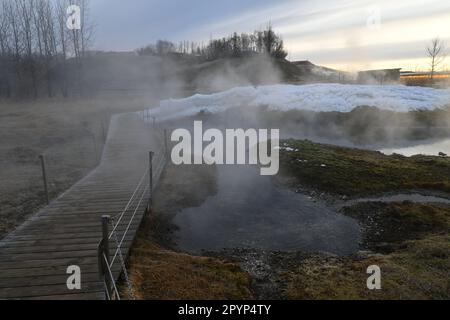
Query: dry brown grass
[(161, 274)]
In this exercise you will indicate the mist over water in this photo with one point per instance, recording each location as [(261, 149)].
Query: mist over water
[(251, 211)]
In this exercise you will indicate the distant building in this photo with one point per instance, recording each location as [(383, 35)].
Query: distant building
[(412, 78), (381, 76), (424, 75)]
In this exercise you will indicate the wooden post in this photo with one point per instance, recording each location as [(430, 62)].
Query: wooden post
[(166, 145), (103, 131), (105, 235), (94, 140), (102, 271), (151, 154), (44, 177), (105, 251)]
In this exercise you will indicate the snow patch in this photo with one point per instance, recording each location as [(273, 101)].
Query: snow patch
[(313, 97)]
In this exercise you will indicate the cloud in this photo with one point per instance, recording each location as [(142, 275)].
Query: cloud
[(320, 30)]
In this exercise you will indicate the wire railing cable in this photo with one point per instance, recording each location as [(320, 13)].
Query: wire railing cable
[(121, 214), (119, 245), (108, 268), (133, 205)]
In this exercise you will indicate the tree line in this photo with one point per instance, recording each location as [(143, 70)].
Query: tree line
[(234, 46), (39, 53)]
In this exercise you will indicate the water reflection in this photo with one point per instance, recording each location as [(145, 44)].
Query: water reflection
[(249, 210)]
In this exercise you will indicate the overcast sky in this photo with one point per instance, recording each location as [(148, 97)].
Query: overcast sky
[(347, 34)]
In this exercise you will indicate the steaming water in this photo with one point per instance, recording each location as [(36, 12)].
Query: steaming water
[(249, 210)]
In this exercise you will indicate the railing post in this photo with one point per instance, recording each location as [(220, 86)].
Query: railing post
[(103, 131), (166, 144), (151, 154), (94, 141), (101, 267), (44, 177), (105, 236), (105, 251), (154, 121)]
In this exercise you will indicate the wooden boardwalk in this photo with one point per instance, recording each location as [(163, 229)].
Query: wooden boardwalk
[(35, 257)]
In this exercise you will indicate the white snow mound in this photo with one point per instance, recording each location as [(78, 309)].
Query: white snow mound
[(313, 97)]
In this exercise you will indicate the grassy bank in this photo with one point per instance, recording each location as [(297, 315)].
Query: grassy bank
[(417, 267), (159, 273), (409, 241), (355, 172), (420, 271), (387, 226)]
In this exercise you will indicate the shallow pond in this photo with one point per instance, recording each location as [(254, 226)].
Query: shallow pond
[(250, 210)]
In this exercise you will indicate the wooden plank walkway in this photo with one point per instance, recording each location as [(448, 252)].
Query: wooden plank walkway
[(35, 257)]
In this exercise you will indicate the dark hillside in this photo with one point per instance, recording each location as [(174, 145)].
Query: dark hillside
[(178, 75)]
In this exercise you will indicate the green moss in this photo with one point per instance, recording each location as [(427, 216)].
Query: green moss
[(420, 271), (345, 171), (387, 225), (418, 266)]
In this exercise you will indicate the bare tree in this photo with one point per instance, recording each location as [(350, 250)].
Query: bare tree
[(5, 51), (436, 53), (265, 42), (37, 49), (11, 10), (3, 29), (45, 26), (62, 43), (26, 10), (80, 40)]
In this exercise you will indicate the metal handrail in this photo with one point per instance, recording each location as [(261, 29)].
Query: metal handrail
[(127, 228), (128, 204), (105, 266), (113, 281)]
